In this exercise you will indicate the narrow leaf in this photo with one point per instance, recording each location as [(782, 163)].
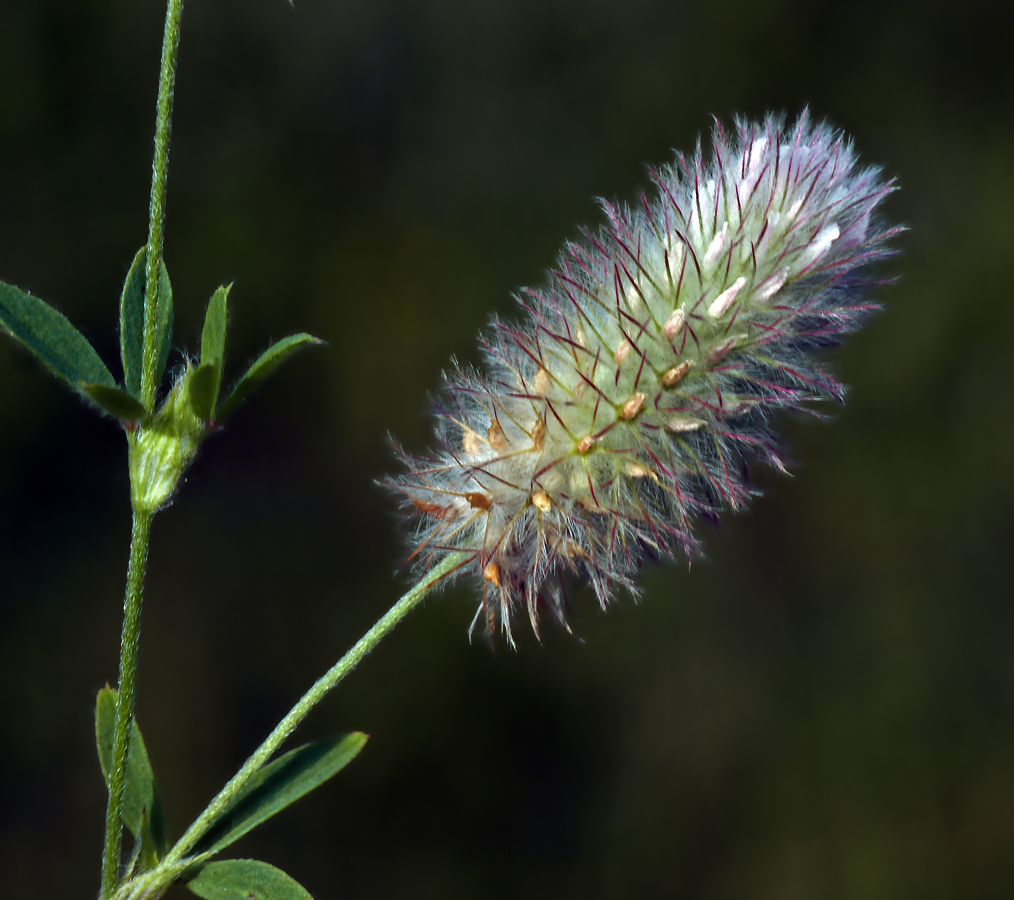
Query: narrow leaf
[(47, 333), (201, 390), (213, 336), (115, 401), (144, 846), (280, 783), (132, 321), (139, 793), (245, 879), (163, 320), (150, 844), (213, 341), (132, 324), (265, 364)]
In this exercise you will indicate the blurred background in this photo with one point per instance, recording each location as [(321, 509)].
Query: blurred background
[(823, 707)]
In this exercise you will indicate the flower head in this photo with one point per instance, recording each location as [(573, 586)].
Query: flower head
[(622, 407)]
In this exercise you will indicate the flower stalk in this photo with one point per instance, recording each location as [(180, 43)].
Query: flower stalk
[(176, 861)]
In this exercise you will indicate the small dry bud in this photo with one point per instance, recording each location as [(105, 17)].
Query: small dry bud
[(722, 349), (585, 444), (477, 500), (676, 374), (492, 573), (674, 324), (717, 246), (622, 352), (737, 406), (771, 285), (541, 501), (471, 443), (633, 406), (540, 384), (497, 439), (725, 299), (685, 423), (539, 434), (636, 470)]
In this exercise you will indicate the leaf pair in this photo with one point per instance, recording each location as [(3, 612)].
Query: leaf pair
[(277, 785), (280, 783), (68, 354), (273, 788), (206, 381)]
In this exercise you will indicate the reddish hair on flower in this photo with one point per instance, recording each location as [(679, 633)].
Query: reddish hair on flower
[(623, 405)]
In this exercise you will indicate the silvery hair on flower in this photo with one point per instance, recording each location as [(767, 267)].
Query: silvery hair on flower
[(625, 402)]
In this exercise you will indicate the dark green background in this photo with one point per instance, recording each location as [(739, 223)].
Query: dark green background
[(821, 708)]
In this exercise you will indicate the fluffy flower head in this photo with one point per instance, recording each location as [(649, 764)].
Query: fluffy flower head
[(621, 408)]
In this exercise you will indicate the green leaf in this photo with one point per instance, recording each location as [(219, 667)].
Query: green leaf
[(204, 390), (132, 321), (132, 324), (146, 851), (245, 879), (157, 832), (280, 783), (115, 401), (163, 321), (213, 336), (47, 333), (201, 390), (265, 364), (140, 795)]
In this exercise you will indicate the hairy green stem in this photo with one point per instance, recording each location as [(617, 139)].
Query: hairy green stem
[(141, 529), (125, 697), (310, 699), (156, 222)]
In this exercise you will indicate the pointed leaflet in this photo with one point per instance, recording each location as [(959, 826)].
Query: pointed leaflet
[(139, 794), (245, 879), (265, 364), (213, 340), (115, 401), (148, 848), (132, 321), (47, 333), (132, 324), (163, 320), (201, 390), (280, 783)]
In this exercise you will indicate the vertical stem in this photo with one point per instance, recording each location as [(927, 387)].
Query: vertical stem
[(142, 518), (125, 699), (159, 174)]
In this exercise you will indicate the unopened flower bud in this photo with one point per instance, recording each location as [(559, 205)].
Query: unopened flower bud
[(161, 451)]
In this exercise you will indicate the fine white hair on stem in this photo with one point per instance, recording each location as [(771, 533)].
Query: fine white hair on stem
[(621, 408)]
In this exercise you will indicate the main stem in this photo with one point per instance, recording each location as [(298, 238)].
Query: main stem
[(141, 529), (125, 697), (156, 221), (310, 699)]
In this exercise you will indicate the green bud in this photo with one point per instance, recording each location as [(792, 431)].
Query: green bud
[(161, 451)]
